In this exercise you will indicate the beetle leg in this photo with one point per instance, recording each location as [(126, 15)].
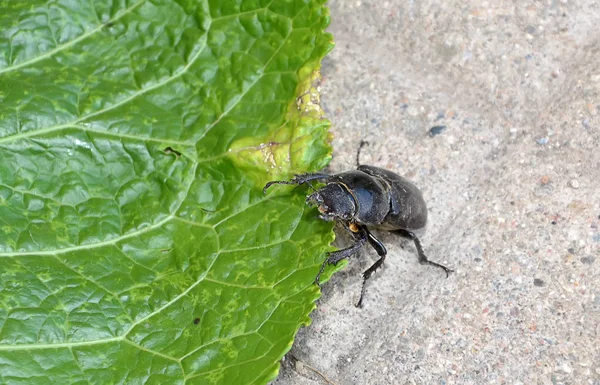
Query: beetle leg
[(382, 252), (297, 179), (375, 243), (335, 256), (422, 258)]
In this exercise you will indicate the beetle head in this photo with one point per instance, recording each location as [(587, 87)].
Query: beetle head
[(333, 202)]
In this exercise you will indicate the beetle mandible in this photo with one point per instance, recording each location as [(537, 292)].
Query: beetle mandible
[(367, 197)]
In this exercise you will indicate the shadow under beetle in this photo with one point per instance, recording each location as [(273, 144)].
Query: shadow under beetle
[(367, 196)]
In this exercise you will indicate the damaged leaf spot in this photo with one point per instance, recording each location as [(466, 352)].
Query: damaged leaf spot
[(170, 150)]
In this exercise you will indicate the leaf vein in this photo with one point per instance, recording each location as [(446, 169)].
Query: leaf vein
[(95, 283), (255, 331), (70, 42), (79, 366), (258, 78), (111, 107), (129, 342), (90, 245)]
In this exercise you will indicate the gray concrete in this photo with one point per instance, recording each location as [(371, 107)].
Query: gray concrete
[(512, 186)]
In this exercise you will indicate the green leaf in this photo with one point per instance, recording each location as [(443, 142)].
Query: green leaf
[(136, 245)]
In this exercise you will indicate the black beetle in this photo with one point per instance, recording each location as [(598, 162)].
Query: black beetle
[(367, 196)]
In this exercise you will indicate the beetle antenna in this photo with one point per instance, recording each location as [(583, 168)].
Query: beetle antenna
[(360, 146)]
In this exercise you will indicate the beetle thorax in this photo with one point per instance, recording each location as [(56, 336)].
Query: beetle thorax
[(333, 202)]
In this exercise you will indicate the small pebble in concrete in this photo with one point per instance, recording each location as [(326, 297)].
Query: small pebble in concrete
[(588, 260), (586, 123), (436, 130), (574, 183), (538, 282), (530, 30), (542, 141)]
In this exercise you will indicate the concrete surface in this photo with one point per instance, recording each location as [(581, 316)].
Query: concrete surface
[(512, 185)]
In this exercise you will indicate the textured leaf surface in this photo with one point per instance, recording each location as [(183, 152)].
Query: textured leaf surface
[(136, 246)]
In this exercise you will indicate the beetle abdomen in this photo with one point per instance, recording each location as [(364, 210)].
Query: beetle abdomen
[(407, 209)]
